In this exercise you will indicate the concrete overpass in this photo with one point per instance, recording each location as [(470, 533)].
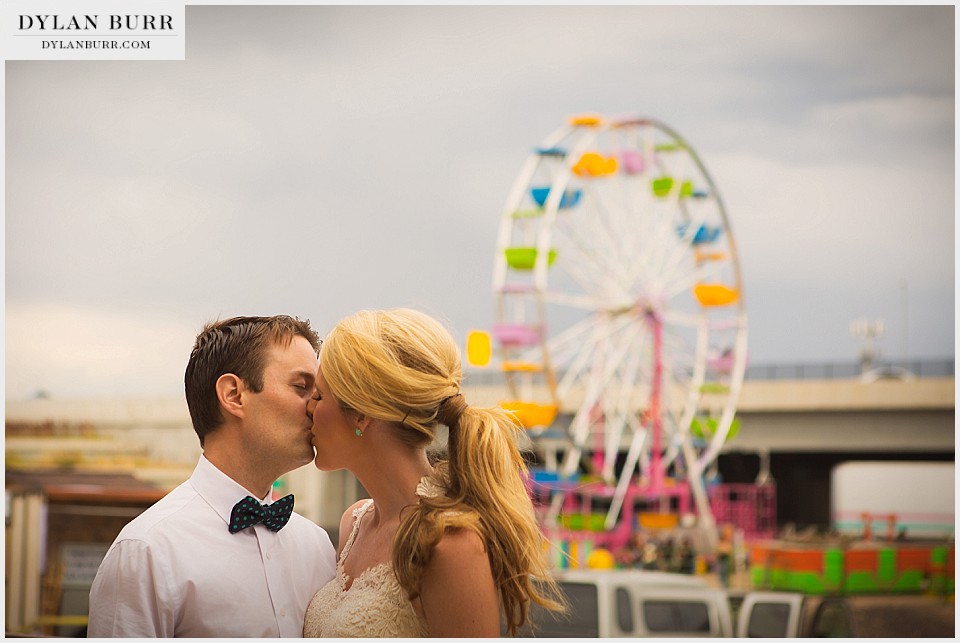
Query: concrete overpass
[(786, 415), (797, 431), (829, 415), (804, 426)]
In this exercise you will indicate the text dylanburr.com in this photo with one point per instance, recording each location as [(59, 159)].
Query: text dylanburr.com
[(98, 30)]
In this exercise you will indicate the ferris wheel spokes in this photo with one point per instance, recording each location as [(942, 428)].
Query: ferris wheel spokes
[(621, 221)]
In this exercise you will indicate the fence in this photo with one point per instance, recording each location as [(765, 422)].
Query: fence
[(922, 367)]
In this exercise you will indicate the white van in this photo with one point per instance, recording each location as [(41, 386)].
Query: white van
[(634, 603)]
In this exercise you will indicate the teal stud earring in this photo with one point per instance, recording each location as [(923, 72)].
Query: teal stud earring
[(359, 432)]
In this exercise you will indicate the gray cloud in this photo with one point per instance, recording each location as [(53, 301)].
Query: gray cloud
[(316, 160)]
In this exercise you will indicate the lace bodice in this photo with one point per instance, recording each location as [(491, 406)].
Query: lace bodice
[(374, 605)]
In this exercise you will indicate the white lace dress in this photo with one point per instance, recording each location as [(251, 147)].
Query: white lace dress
[(374, 605)]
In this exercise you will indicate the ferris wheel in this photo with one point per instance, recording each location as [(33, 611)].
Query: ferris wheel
[(619, 303)]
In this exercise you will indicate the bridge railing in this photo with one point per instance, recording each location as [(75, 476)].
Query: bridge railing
[(846, 370), (922, 367)]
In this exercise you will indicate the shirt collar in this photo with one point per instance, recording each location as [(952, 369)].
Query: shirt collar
[(219, 490)]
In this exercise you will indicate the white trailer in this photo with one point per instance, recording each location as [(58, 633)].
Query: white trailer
[(915, 499)]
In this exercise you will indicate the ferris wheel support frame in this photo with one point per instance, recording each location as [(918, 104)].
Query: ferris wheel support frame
[(596, 408)]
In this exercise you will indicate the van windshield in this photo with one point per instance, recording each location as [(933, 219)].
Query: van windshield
[(676, 616), (582, 621), (768, 620)]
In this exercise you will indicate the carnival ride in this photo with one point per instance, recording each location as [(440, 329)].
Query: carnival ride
[(620, 321)]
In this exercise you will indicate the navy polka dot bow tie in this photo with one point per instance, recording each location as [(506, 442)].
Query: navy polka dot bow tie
[(249, 512)]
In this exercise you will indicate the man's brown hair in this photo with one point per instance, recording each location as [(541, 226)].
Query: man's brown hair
[(237, 345)]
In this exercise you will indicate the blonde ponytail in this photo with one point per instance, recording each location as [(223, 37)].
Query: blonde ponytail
[(403, 366), (483, 477)]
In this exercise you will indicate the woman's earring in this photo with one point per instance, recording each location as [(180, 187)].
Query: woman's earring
[(359, 432)]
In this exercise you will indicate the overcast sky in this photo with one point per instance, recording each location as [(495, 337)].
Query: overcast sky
[(318, 160)]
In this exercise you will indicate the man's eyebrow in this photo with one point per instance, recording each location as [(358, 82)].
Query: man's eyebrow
[(304, 374)]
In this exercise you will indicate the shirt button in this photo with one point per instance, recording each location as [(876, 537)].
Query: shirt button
[(268, 556), (283, 612)]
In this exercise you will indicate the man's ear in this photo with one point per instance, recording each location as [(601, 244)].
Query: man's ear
[(230, 394)]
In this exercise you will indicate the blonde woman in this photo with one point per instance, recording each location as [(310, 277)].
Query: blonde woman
[(439, 550)]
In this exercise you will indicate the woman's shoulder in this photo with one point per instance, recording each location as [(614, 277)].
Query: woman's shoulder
[(458, 591), (352, 512), (355, 507), (460, 546), (348, 519)]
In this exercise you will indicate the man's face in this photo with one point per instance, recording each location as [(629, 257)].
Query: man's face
[(278, 428)]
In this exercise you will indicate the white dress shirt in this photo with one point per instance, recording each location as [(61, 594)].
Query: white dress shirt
[(176, 570)]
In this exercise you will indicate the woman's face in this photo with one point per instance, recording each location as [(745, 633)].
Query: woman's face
[(334, 430)]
